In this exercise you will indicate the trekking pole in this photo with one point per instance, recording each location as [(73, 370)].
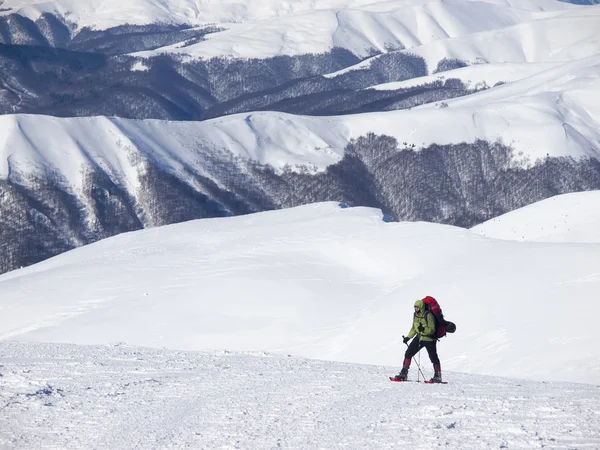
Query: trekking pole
[(418, 366)]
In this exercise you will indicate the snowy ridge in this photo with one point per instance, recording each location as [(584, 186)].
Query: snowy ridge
[(32, 143), (322, 282), (563, 218), (127, 397), (553, 113), (556, 39), (577, 80), (563, 38), (376, 27), (477, 76), (266, 28)]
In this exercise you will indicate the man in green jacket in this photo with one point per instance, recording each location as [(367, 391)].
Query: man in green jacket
[(423, 328)]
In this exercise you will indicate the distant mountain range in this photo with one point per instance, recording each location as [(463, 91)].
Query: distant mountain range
[(171, 65), (452, 112)]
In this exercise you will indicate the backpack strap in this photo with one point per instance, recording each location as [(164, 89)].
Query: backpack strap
[(435, 325)]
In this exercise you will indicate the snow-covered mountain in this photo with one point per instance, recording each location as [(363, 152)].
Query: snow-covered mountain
[(126, 397), (103, 176), (189, 60), (491, 106), (263, 29), (68, 182), (323, 282), (363, 29), (431, 16), (123, 116), (248, 55)]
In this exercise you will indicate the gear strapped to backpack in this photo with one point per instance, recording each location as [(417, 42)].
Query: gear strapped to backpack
[(442, 326)]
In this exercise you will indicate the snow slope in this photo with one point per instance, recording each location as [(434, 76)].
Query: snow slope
[(323, 282), (474, 77), (524, 47), (574, 82), (258, 28), (553, 113), (361, 29), (563, 218), (29, 142), (567, 37), (127, 397)]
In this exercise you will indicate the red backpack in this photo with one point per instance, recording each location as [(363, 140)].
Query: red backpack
[(442, 326)]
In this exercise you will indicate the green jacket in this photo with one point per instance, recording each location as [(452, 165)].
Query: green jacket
[(426, 321)]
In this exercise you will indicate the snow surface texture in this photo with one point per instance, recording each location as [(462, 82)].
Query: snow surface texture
[(126, 397), (563, 218), (323, 282)]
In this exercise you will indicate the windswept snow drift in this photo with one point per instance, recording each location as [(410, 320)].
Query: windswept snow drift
[(127, 397), (564, 218), (323, 282)]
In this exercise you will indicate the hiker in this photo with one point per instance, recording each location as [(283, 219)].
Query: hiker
[(424, 332)]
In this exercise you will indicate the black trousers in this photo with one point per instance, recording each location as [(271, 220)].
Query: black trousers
[(417, 345)]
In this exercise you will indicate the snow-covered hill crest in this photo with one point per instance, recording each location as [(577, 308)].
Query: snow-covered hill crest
[(563, 218), (318, 281), (552, 113), (261, 29), (109, 13), (271, 56), (103, 176), (278, 131), (374, 27)]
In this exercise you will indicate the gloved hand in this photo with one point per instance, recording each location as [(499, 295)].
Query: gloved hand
[(420, 328), (406, 339)]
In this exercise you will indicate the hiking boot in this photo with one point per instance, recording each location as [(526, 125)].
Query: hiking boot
[(403, 375), (437, 378)]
